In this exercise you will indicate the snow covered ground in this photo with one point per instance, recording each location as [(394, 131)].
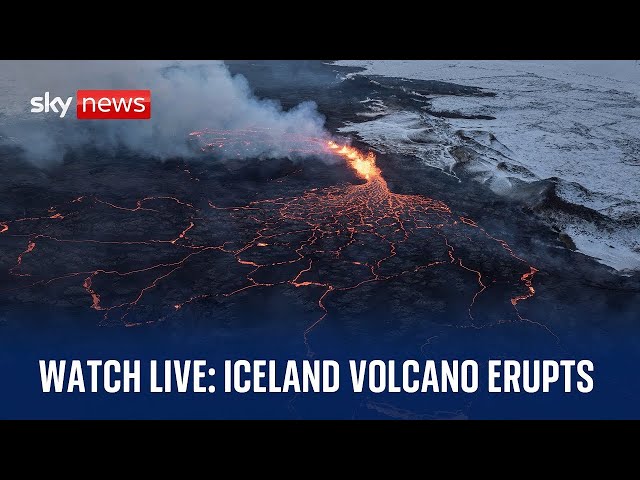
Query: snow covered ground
[(576, 121)]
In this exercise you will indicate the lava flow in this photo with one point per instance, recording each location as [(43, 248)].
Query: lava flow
[(328, 242), (364, 165)]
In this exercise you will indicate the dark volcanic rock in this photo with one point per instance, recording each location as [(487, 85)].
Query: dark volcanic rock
[(173, 224)]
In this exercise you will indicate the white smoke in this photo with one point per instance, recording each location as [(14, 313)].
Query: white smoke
[(186, 96)]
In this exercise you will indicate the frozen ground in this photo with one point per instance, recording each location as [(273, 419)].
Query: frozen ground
[(574, 122)]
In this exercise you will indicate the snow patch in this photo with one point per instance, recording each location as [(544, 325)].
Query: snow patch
[(577, 121), (407, 133)]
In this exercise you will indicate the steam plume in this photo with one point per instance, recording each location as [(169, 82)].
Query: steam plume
[(186, 96)]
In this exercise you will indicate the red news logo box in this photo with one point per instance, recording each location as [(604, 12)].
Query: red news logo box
[(113, 104)]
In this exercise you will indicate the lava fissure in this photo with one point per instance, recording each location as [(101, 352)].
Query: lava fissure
[(342, 237)]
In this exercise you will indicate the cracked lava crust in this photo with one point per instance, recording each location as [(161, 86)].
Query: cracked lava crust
[(326, 241)]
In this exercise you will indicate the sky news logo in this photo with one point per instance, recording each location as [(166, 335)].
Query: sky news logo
[(98, 104)]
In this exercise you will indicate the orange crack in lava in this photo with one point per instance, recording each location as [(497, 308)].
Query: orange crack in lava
[(364, 227), (527, 279), (30, 246)]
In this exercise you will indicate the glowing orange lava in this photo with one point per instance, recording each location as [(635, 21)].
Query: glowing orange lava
[(328, 242), (364, 165)]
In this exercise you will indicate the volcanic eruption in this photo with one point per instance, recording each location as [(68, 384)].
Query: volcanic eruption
[(327, 241)]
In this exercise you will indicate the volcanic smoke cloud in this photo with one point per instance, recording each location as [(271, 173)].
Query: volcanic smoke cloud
[(186, 96)]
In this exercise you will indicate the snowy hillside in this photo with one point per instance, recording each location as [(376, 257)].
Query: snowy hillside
[(575, 122)]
